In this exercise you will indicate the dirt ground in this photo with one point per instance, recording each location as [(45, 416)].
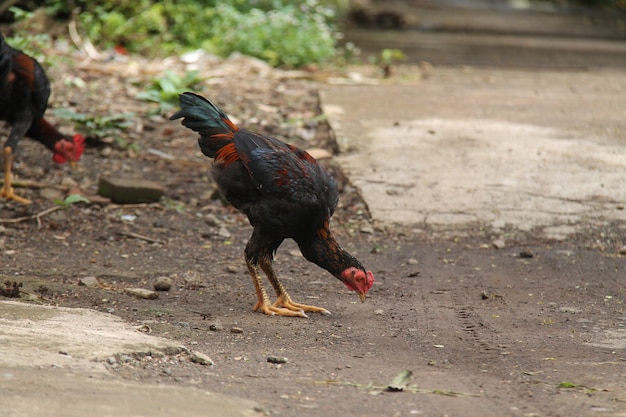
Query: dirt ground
[(534, 329)]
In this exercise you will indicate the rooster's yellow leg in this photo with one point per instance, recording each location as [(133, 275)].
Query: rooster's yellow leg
[(263, 302), (283, 300), (7, 189)]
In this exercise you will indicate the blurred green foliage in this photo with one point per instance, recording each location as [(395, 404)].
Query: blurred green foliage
[(164, 90), (282, 32)]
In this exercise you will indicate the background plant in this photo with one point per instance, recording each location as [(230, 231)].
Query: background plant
[(282, 32), (164, 90)]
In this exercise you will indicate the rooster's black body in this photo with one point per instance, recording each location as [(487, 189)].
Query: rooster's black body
[(284, 192), (24, 93)]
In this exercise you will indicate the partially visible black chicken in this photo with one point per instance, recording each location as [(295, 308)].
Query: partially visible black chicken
[(24, 93)]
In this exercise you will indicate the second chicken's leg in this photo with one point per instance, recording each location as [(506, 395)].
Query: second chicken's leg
[(7, 189)]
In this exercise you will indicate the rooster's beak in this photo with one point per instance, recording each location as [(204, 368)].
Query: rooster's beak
[(362, 296)]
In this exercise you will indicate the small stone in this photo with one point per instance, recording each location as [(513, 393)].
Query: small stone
[(232, 269), (51, 194), (223, 232), (367, 229), (212, 220), (163, 283), (622, 250), (130, 191), (201, 358), (412, 261), (499, 244), (142, 293), (236, 330), (276, 359), (91, 282), (69, 181), (319, 153), (216, 326)]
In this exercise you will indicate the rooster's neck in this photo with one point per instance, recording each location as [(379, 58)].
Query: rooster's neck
[(45, 133)]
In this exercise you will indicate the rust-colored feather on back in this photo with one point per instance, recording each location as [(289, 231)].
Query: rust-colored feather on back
[(227, 155), (24, 67)]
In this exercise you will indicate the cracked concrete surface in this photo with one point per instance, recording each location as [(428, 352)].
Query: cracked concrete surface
[(503, 148), (52, 364)]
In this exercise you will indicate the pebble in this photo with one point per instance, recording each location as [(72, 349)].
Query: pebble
[(223, 232), (69, 181), (622, 250), (91, 282), (142, 293), (319, 153), (232, 269), (163, 283), (367, 229), (276, 359), (526, 254), (236, 330), (499, 244), (201, 358), (216, 326), (212, 220), (412, 261), (51, 194)]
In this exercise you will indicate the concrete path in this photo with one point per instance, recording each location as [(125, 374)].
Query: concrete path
[(52, 364), (534, 150)]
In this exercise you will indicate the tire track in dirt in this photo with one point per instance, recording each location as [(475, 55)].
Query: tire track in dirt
[(476, 352)]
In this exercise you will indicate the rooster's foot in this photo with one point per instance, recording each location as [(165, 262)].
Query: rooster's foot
[(10, 195), (285, 302), (273, 310)]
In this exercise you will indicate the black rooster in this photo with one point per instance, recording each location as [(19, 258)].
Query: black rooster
[(24, 93), (284, 192)]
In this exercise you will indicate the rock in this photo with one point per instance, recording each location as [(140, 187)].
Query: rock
[(201, 358), (622, 250), (51, 194), (412, 261), (130, 191), (232, 269), (163, 283), (236, 330), (276, 359), (212, 220), (223, 232), (69, 181), (499, 244), (89, 282), (526, 254), (367, 229), (142, 293), (319, 153), (216, 326)]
